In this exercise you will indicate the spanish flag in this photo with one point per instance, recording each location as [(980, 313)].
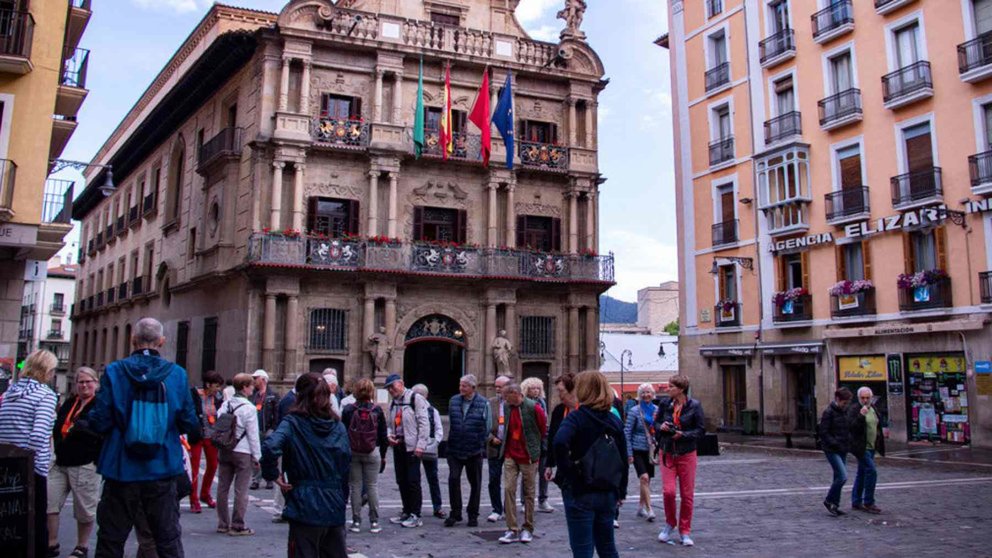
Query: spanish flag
[(446, 135)]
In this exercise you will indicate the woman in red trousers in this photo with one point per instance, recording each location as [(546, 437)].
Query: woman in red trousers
[(208, 400), (680, 426)]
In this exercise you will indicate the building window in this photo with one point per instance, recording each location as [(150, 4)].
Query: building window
[(340, 107), (539, 132), (58, 302), (208, 360), (539, 233), (907, 45), (537, 336), (728, 283), (784, 190), (794, 271), (332, 217), (445, 19), (853, 262), (785, 96), (438, 224), (714, 8), (849, 167), (919, 148), (432, 120), (841, 73), (176, 172), (926, 250), (779, 16), (328, 329), (57, 328), (723, 127), (182, 343)]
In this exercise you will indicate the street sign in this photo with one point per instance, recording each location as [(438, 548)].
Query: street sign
[(983, 367), (35, 270)]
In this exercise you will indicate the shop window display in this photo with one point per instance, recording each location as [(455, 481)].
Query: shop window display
[(938, 398)]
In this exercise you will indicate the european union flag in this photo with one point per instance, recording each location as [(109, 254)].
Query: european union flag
[(503, 119)]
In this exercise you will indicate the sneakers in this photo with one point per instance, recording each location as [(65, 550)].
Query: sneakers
[(650, 516), (687, 540), (509, 537), (872, 508), (399, 519), (356, 526), (494, 517), (374, 528), (667, 535), (641, 512), (526, 536), (412, 521), (616, 523), (544, 507)]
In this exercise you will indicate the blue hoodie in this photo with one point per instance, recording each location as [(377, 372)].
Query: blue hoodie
[(109, 416)]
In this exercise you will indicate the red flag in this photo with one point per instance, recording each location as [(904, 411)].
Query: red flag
[(480, 117), (447, 137)]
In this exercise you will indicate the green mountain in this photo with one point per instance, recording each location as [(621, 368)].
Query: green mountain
[(615, 311)]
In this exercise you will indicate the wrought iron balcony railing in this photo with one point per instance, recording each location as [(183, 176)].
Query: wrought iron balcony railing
[(975, 53), (466, 147), (842, 106), (727, 315), (980, 168), (833, 17), (544, 156), (717, 76), (798, 310), (17, 33), (927, 297), (57, 206), (725, 233), (856, 304), (776, 45), (227, 143), (74, 68), (907, 81), (55, 334), (985, 286), (917, 187), (427, 258), (784, 126), (847, 202), (340, 132), (721, 150), (56, 309)]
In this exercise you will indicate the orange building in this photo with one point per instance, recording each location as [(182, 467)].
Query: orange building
[(833, 164)]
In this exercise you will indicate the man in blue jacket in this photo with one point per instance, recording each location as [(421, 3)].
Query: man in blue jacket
[(140, 464)]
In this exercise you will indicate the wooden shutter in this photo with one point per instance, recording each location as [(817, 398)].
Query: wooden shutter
[(312, 214), (908, 253), (866, 257), (418, 223), (461, 226), (850, 171), (556, 235), (356, 107), (919, 148), (353, 217), (841, 262), (782, 266), (940, 244), (804, 261), (727, 206), (553, 133)]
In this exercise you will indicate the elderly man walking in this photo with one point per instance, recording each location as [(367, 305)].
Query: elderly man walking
[(408, 429), (494, 453), (867, 439), (520, 447), (469, 425), (142, 457)]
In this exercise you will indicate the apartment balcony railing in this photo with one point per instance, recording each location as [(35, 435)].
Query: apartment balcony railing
[(57, 205), (847, 203), (8, 174), (985, 286), (797, 310), (777, 48), (980, 169), (137, 287), (727, 315), (15, 40), (782, 127), (721, 151), (122, 291), (466, 147), (341, 132), (543, 156), (907, 85), (428, 258), (840, 109), (54, 334), (725, 233), (148, 205), (833, 21), (853, 305), (917, 188), (74, 68), (975, 58), (227, 143), (927, 297), (56, 309), (718, 76)]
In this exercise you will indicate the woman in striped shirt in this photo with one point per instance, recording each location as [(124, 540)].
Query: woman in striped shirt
[(27, 414)]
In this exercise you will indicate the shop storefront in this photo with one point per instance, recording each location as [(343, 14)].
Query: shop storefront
[(856, 371), (937, 397)]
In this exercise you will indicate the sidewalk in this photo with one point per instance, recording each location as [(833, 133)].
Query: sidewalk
[(917, 452)]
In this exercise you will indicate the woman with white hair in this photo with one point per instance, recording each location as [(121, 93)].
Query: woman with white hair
[(533, 389), (641, 452)]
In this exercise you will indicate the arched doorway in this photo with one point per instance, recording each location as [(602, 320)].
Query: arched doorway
[(435, 356)]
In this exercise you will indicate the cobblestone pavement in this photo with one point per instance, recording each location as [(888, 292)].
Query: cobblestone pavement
[(748, 503)]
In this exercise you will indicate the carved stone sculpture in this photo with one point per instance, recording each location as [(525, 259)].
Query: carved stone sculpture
[(572, 13), (502, 350), (379, 349)]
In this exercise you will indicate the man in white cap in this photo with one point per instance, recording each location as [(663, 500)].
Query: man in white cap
[(267, 406)]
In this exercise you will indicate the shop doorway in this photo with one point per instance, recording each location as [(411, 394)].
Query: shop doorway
[(802, 392), (734, 396), (436, 364), (937, 393)]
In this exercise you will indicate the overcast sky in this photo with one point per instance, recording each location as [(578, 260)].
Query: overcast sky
[(131, 40)]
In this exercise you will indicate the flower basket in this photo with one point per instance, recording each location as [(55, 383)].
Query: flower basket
[(785, 300), (728, 310), (926, 278)]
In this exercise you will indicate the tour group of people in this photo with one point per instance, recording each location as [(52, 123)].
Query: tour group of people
[(128, 444)]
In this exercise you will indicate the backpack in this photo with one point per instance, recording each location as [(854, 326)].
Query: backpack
[(147, 421), (601, 468), (363, 430), (223, 433)]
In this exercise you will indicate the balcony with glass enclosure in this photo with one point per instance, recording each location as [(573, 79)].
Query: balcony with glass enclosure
[(784, 190)]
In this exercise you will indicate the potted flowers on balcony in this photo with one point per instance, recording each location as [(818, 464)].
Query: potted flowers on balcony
[(922, 283), (379, 240), (284, 246), (588, 253), (727, 310), (850, 293), (785, 301)]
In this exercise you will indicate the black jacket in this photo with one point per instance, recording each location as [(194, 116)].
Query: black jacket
[(693, 427), (80, 446), (268, 414), (835, 429), (859, 431), (554, 423), (574, 438)]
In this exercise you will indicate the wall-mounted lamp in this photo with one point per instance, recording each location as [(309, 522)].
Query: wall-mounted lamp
[(106, 188)]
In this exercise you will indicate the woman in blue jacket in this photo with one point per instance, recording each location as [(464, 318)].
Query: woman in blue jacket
[(316, 459)]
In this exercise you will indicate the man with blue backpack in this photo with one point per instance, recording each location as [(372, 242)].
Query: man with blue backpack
[(142, 407)]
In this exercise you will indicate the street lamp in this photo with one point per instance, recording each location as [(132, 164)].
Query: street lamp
[(106, 188)]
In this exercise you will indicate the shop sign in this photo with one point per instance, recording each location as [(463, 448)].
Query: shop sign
[(18, 235), (978, 206), (727, 351), (802, 242), (983, 367), (861, 369), (807, 349), (921, 217), (936, 364)]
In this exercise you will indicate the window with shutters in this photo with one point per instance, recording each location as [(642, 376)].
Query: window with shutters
[(919, 147), (539, 233), (841, 73), (785, 96), (537, 336), (332, 217), (445, 19), (328, 330), (340, 107), (439, 224), (432, 119), (182, 343), (926, 250), (208, 360), (793, 271), (851, 262), (728, 282), (539, 132)]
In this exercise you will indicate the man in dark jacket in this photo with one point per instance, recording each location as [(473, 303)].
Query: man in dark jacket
[(835, 439), (493, 454), (141, 478), (470, 422), (866, 440), (267, 404)]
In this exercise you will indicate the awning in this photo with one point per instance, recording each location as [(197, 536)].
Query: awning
[(802, 348)]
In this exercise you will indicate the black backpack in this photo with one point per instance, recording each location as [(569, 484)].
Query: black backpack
[(601, 468), (223, 431)]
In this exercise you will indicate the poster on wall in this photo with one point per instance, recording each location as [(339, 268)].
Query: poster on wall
[(861, 369), (895, 374), (937, 397)]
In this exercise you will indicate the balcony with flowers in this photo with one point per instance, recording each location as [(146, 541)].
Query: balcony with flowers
[(792, 305), (851, 299), (728, 313), (924, 290)]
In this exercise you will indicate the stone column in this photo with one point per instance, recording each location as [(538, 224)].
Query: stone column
[(573, 122), (305, 89), (373, 222), (292, 337), (377, 106), (591, 109), (274, 220), (573, 338), (393, 179), (595, 225), (511, 325), (390, 318), (397, 97), (511, 218), (269, 332), (590, 221), (490, 334), (573, 222), (493, 211), (592, 339), (368, 319), (298, 209), (284, 86)]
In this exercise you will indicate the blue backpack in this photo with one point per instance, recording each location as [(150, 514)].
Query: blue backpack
[(147, 421)]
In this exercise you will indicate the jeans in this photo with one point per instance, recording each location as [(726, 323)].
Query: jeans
[(307, 541), (236, 469), (430, 471), (208, 477), (590, 523), (496, 485), (837, 463), (683, 469), (407, 466), (122, 502), (528, 473), (864, 480), (365, 474), (542, 483), (473, 470)]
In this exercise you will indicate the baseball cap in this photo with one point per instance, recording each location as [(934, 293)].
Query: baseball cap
[(392, 378), (261, 374)]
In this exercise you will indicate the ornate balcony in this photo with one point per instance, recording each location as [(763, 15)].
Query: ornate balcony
[(721, 151), (777, 48), (341, 133), (466, 147), (886, 6), (847, 204), (727, 314), (932, 296), (840, 110), (224, 146), (717, 77), (419, 258), (15, 41), (980, 169), (907, 85), (725, 233), (8, 172), (783, 127), (985, 286), (543, 156), (798, 310), (975, 58), (853, 305), (833, 21), (915, 189)]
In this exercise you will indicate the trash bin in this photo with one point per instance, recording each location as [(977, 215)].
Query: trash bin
[(750, 418)]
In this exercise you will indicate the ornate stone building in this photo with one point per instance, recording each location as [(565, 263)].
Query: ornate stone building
[(270, 209)]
